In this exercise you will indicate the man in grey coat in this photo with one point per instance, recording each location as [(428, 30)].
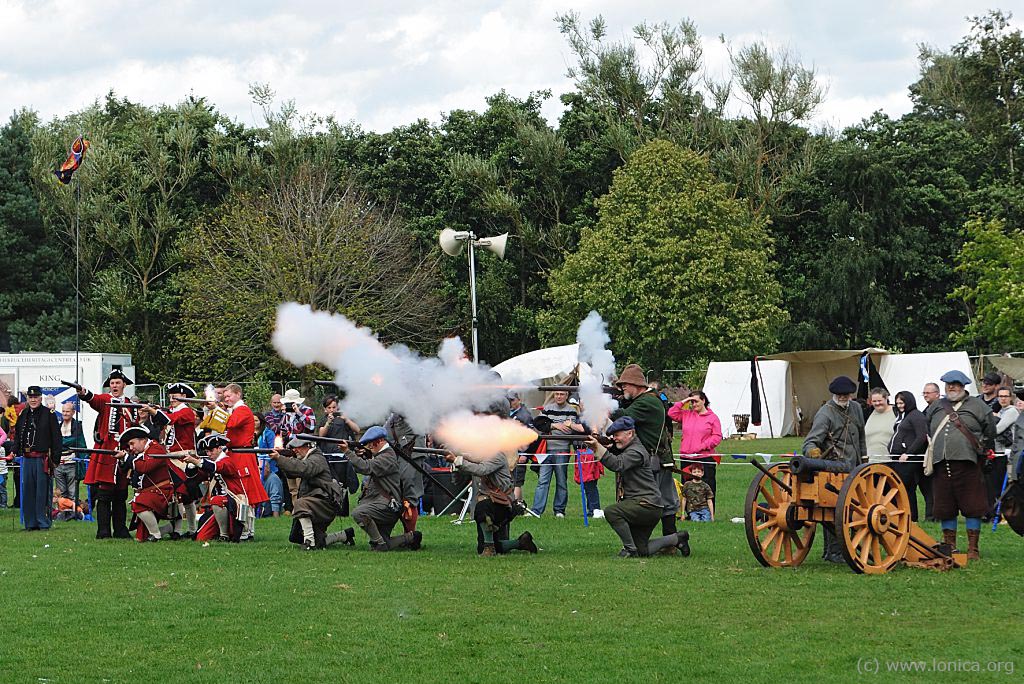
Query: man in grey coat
[(837, 434), (637, 508), (963, 430), (313, 509), (380, 504)]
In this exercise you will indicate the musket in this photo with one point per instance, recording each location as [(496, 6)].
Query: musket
[(607, 389), (83, 450), (401, 455), (68, 383), (135, 404), (429, 450), (325, 383), (197, 400)]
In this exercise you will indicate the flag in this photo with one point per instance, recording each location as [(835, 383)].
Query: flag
[(74, 160)]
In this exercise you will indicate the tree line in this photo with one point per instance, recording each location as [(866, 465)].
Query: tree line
[(703, 218)]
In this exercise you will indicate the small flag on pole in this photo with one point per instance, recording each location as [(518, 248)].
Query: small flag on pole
[(74, 160)]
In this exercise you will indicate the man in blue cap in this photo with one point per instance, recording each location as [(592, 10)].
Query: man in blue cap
[(380, 504), (962, 429), (837, 434), (638, 505)]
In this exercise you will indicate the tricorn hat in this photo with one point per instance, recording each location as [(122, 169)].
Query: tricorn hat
[(117, 374), (632, 374), (214, 439), (135, 431), (180, 388)]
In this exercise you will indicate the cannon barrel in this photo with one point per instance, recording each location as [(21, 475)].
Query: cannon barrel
[(802, 465)]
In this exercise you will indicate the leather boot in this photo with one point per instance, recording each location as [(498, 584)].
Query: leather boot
[(833, 552), (972, 544), (684, 543), (488, 550), (949, 537)]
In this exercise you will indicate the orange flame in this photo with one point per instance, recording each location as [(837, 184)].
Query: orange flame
[(377, 379), (480, 437)]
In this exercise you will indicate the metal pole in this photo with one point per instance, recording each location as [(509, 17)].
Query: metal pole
[(78, 267), (472, 294)]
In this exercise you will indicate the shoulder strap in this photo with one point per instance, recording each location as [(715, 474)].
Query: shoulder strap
[(954, 417)]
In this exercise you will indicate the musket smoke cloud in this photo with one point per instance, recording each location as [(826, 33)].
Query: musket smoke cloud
[(378, 379), (593, 338), (480, 437)]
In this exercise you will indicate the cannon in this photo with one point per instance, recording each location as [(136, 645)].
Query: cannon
[(868, 504)]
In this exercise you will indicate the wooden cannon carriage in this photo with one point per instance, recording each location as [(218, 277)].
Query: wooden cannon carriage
[(868, 504)]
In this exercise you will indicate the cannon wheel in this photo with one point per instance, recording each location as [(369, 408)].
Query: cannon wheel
[(775, 538), (873, 519)]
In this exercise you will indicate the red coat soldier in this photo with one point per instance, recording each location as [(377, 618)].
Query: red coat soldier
[(240, 431), (151, 479), (105, 474)]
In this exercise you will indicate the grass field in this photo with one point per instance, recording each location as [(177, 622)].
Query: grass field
[(80, 610)]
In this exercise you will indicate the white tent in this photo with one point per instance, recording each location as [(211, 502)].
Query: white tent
[(792, 392), (541, 367)]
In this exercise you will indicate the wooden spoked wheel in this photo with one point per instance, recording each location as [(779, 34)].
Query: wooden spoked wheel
[(776, 538), (873, 519)]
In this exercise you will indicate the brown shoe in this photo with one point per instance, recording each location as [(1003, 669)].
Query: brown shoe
[(972, 544), (488, 550), (949, 537)]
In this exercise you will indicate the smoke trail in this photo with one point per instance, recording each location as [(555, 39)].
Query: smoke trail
[(592, 337), (480, 437), (378, 379)]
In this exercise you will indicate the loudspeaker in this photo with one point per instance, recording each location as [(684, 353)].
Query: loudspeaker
[(449, 241), (496, 244)]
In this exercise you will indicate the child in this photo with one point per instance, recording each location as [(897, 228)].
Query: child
[(698, 499)]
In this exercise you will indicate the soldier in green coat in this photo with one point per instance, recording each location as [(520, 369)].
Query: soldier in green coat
[(837, 434), (645, 407), (314, 506), (638, 504)]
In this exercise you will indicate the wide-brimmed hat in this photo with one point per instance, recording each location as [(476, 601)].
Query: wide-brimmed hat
[(292, 397), (632, 374)]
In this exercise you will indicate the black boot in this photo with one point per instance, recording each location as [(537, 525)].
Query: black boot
[(102, 517), (833, 552), (526, 542), (684, 543), (119, 515)]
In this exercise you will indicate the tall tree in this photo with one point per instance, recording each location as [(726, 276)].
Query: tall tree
[(679, 270), (35, 312)]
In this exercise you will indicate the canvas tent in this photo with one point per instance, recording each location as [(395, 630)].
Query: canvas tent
[(541, 367), (794, 385)]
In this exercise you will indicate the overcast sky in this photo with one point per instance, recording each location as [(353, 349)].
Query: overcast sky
[(387, 63)]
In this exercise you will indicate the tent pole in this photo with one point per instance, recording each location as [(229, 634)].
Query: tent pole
[(764, 399)]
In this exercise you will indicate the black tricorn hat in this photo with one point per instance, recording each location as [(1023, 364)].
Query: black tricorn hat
[(117, 374), (135, 431), (180, 388)]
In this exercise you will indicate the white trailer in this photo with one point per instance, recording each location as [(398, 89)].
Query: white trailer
[(19, 371)]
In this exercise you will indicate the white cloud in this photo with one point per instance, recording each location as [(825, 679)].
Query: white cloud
[(386, 64)]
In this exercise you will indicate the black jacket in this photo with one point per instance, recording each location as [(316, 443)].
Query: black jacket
[(38, 430), (911, 431)]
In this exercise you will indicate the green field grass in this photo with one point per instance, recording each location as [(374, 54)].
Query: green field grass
[(80, 610)]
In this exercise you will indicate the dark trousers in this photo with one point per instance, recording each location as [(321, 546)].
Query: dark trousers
[(924, 483), (634, 522), (111, 512), (994, 481), (910, 473), (37, 493)]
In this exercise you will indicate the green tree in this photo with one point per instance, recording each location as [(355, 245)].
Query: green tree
[(304, 239), (992, 265), (35, 300), (678, 269)]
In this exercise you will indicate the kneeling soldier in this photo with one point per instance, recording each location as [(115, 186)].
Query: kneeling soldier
[(380, 504), (151, 480), (492, 480), (637, 508), (313, 508)]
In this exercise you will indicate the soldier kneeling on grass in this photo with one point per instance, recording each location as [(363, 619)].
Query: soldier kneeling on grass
[(380, 504), (637, 508), (492, 480), (318, 498)]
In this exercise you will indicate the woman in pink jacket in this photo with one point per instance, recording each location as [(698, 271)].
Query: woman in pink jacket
[(700, 433)]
